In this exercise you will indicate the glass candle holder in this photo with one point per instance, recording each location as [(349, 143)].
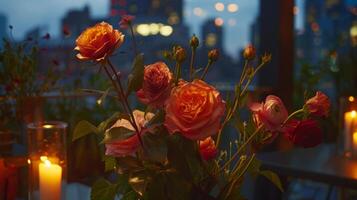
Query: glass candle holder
[(47, 160), (348, 126)]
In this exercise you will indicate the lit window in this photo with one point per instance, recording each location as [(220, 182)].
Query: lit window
[(218, 21), (198, 11), (211, 39), (219, 6), (232, 7), (166, 30)]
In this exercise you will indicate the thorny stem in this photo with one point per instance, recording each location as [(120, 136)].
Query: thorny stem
[(177, 72), (209, 63), (134, 39), (193, 54), (124, 101), (242, 147)]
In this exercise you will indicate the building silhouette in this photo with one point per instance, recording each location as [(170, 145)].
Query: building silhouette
[(3, 26)]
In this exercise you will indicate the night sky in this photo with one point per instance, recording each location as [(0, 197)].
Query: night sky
[(26, 14)]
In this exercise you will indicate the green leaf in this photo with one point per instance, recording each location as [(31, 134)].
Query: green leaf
[(156, 188), (156, 148), (117, 134), (135, 80), (139, 181), (109, 163), (157, 119), (103, 190), (274, 178), (108, 122), (131, 195), (128, 163), (83, 128), (254, 167), (183, 156)]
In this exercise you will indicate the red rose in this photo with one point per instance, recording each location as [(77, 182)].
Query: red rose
[(249, 52), (194, 109), (272, 113), (319, 105), (305, 133), (98, 42), (157, 85), (208, 149), (130, 145)]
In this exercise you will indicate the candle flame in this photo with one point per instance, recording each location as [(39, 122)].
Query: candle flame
[(47, 163), (43, 158), (353, 114), (351, 99), (28, 161)]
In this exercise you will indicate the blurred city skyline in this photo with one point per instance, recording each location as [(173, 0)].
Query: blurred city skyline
[(237, 16)]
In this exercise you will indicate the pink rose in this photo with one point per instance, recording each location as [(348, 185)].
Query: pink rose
[(305, 133), (272, 113), (208, 149), (130, 145), (319, 105), (194, 110), (157, 85)]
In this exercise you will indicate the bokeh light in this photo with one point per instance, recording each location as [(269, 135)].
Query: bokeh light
[(219, 6), (232, 7)]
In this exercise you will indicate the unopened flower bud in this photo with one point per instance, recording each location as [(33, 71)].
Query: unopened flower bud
[(249, 52), (179, 54), (249, 71), (213, 55), (194, 42), (266, 58)]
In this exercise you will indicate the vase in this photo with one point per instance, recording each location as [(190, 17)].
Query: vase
[(47, 160)]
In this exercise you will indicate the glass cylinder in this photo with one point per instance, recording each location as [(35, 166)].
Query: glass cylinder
[(348, 126), (47, 160)]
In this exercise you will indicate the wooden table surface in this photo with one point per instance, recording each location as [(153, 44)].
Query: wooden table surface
[(321, 163)]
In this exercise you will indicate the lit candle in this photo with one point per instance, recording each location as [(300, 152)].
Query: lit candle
[(50, 180), (349, 127)]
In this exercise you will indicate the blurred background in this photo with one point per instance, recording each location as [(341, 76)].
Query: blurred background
[(313, 44)]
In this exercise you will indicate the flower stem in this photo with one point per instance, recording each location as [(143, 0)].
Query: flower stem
[(206, 69), (242, 147), (193, 54), (125, 102), (177, 72), (292, 115), (134, 39)]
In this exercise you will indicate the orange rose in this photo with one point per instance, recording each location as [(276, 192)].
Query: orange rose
[(157, 85), (208, 149), (194, 109), (98, 42)]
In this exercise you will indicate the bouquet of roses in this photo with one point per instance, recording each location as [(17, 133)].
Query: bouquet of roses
[(172, 149)]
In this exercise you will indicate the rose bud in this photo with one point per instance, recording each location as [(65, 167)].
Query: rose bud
[(305, 133), (194, 42), (130, 145), (179, 54), (125, 21), (194, 109), (98, 42), (272, 113), (319, 105), (249, 52), (213, 55), (207, 149), (266, 58), (157, 85)]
